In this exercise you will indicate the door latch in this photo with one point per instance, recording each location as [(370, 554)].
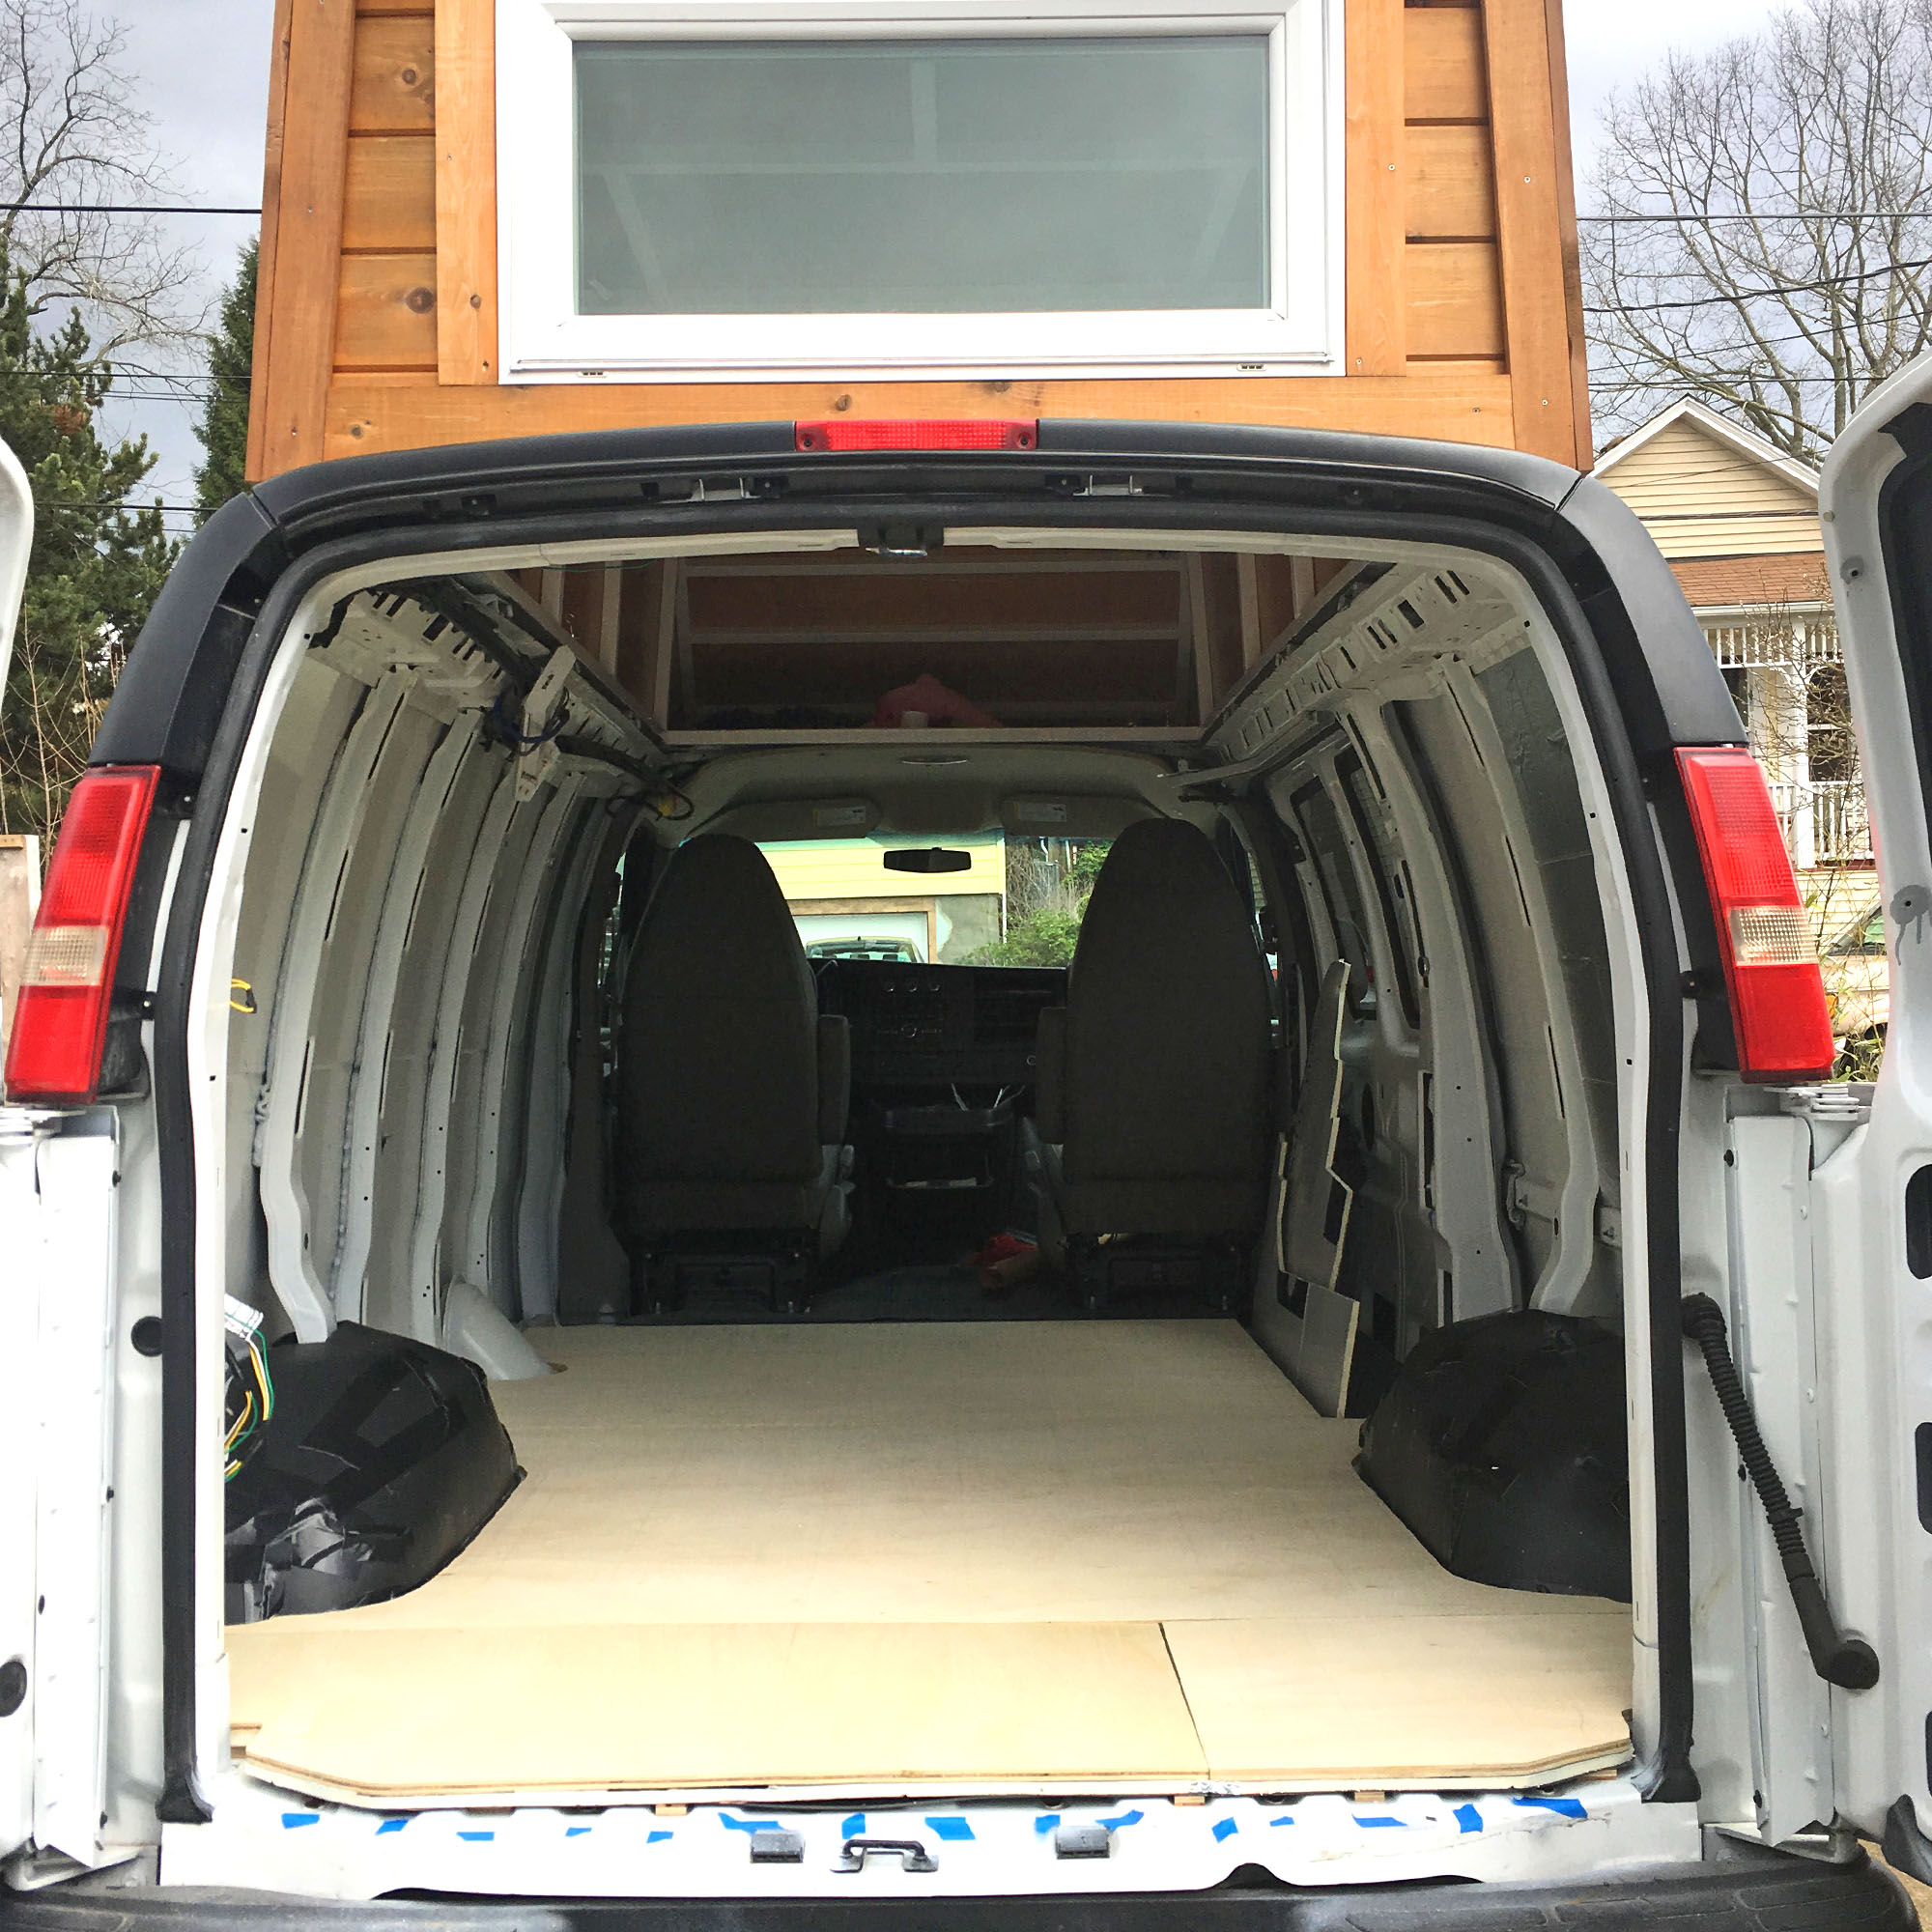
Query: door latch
[(912, 1856)]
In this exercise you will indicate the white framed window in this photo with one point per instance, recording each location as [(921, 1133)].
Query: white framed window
[(722, 189)]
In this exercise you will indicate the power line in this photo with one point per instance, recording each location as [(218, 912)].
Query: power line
[(1773, 215), (1764, 295), (113, 207)]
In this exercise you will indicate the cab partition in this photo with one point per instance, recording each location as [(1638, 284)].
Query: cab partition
[(863, 1095)]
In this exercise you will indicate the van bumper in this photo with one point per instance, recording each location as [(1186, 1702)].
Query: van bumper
[(1781, 1896)]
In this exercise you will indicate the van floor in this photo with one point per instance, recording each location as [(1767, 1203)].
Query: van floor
[(907, 1558)]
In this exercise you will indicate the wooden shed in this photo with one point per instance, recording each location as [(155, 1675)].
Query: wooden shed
[(503, 217)]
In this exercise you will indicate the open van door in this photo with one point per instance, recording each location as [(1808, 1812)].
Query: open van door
[(57, 1174), (1871, 1198)]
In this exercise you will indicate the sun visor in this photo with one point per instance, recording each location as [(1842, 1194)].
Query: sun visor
[(1065, 815), (778, 820)]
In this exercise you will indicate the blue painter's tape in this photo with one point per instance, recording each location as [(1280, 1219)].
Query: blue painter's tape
[(1370, 1824), (1225, 1828), (1275, 1823), (732, 1823), (292, 1819), (1468, 1818), (575, 1830), (1046, 1822), (657, 1838), (390, 1825), (953, 1830), (1564, 1807), (1125, 1819), (854, 1826), (476, 1837)]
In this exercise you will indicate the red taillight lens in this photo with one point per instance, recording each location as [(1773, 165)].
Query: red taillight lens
[(60, 1019), (1771, 960), (964, 432)]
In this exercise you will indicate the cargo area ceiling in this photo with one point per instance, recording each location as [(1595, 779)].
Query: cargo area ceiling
[(1111, 644)]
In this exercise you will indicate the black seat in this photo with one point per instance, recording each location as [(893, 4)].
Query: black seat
[(1156, 1078), (732, 1088)]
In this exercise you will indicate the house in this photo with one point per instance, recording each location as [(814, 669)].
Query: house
[(488, 218), (1738, 520)]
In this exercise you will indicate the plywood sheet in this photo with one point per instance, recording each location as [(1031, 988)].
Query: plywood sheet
[(918, 1553), (635, 1706), (1402, 1700)]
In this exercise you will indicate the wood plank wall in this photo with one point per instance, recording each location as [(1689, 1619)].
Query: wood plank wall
[(377, 327)]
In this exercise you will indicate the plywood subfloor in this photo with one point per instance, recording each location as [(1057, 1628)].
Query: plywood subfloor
[(894, 1557)]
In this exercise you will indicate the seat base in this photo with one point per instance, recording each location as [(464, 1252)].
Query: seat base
[(779, 1271), (1209, 1268)]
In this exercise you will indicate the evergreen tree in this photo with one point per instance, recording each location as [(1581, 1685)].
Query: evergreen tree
[(96, 563), (224, 428)]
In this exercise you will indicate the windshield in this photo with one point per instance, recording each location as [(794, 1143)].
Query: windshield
[(979, 898)]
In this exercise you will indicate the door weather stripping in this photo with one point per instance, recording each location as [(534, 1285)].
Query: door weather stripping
[(1848, 1662)]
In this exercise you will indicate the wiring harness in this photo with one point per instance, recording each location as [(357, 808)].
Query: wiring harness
[(250, 1388)]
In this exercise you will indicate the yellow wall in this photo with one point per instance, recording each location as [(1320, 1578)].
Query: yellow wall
[(854, 868), (1700, 498)]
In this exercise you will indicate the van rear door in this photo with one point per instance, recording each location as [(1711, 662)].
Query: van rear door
[(1871, 1198), (57, 1174)]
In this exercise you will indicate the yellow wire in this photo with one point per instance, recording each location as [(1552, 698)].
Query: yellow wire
[(262, 1377)]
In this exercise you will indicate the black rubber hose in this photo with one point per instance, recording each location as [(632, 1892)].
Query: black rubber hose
[(1848, 1662)]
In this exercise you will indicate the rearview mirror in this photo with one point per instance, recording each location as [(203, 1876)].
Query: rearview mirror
[(929, 859)]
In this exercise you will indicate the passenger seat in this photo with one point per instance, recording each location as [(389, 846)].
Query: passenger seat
[(732, 1089), (1155, 1080)]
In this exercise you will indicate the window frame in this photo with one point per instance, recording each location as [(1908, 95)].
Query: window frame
[(545, 340)]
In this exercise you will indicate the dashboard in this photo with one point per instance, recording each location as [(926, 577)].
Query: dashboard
[(924, 1025)]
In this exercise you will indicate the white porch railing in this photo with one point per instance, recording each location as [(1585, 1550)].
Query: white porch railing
[(1763, 644), (1824, 823)]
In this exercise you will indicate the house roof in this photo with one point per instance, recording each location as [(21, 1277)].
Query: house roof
[(1723, 582), (1706, 488)]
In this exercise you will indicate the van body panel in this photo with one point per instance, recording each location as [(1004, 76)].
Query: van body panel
[(216, 662), (57, 1175), (1872, 1287), (523, 494)]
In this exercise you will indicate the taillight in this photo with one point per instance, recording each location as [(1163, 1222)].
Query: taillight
[(60, 1019), (1764, 933), (961, 433)]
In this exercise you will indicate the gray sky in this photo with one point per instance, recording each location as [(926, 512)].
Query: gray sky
[(203, 67)]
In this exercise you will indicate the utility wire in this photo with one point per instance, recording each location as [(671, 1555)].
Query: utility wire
[(1768, 215), (1761, 295), (112, 208)]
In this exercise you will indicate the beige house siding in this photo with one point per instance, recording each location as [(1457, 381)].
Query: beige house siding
[(1701, 498)]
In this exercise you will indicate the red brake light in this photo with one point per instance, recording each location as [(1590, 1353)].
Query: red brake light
[(1764, 933), (960, 433), (60, 1019)]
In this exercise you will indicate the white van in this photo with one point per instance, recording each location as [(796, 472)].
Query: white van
[(1389, 1393)]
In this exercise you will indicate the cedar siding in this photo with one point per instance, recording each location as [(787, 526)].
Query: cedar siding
[(377, 325)]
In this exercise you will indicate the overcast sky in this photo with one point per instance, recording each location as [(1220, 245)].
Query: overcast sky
[(203, 68)]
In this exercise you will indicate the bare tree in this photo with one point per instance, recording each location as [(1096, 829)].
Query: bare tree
[(74, 150), (1770, 251)]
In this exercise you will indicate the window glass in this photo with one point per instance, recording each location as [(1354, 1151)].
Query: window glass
[(1049, 882), (881, 177), (1014, 903)]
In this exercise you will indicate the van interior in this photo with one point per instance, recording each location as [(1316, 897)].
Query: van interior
[(1128, 1300)]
